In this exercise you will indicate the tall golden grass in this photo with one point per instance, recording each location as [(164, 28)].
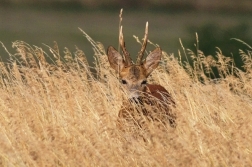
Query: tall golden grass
[(56, 111)]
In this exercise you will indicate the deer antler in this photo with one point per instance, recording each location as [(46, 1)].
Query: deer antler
[(126, 54), (141, 53)]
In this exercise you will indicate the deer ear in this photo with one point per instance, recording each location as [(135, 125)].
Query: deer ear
[(115, 59), (152, 60)]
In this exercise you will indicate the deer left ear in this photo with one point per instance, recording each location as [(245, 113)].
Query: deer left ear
[(152, 60), (115, 59)]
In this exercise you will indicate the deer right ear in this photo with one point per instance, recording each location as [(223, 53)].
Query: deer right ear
[(115, 59), (152, 60)]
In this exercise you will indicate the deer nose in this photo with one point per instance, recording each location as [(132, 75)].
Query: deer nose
[(133, 93)]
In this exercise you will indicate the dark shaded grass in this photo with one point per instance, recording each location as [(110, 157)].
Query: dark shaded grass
[(43, 26)]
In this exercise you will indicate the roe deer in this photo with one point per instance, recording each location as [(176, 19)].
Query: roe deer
[(153, 101)]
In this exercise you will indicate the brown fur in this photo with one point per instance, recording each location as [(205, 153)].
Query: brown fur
[(156, 90), (135, 71)]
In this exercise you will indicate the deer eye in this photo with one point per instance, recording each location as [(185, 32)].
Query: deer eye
[(124, 82), (144, 82)]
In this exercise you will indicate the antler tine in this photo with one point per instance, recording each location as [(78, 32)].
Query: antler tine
[(141, 53), (126, 54)]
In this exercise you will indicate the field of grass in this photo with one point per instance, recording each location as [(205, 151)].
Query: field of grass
[(62, 114), (58, 109)]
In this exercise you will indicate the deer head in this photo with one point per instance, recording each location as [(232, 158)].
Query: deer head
[(134, 76)]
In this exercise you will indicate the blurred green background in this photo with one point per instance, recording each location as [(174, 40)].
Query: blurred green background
[(39, 22)]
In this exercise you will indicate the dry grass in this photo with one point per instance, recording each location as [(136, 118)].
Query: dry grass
[(59, 114)]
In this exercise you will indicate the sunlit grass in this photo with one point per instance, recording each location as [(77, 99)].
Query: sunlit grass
[(63, 114)]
